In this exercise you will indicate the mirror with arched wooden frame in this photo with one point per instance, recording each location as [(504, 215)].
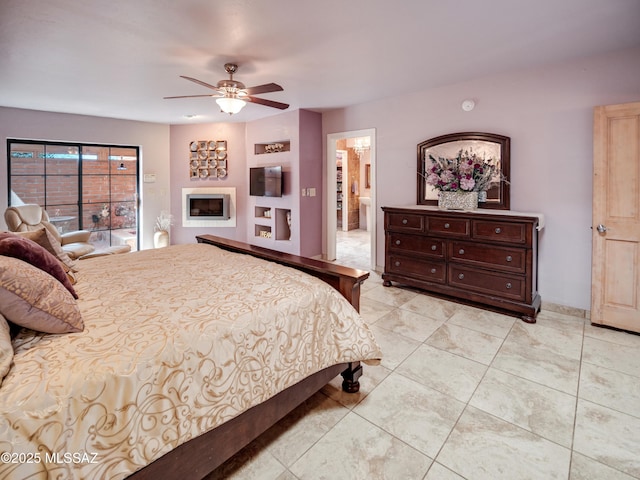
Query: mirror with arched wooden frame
[(487, 145)]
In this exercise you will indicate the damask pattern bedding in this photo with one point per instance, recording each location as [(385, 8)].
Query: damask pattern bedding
[(176, 342)]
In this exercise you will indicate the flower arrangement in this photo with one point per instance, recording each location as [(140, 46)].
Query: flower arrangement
[(466, 172), (164, 221)]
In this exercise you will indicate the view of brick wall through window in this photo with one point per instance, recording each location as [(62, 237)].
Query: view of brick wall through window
[(91, 187)]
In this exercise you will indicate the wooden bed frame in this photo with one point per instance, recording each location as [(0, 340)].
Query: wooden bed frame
[(200, 456)]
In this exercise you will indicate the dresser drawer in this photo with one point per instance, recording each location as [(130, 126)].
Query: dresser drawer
[(489, 256), (431, 271), (502, 285), (416, 245), (405, 222), (448, 226), (496, 231)]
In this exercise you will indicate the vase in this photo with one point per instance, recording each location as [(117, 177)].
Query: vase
[(288, 216), (458, 200), (482, 196), (161, 239)]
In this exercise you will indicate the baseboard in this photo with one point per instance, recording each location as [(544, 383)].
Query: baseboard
[(573, 311)]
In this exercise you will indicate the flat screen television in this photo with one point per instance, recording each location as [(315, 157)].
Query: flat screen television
[(265, 181)]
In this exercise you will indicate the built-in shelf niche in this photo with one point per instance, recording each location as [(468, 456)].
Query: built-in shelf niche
[(272, 147), (263, 212), (263, 231), (272, 223), (283, 231)]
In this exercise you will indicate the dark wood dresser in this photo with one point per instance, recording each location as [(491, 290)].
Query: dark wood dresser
[(484, 257)]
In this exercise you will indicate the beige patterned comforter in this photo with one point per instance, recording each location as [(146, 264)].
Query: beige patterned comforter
[(176, 341)]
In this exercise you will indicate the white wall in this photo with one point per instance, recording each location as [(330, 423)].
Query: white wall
[(548, 114), (152, 138)]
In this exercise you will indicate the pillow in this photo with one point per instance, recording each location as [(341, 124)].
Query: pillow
[(29, 251), (45, 239), (34, 299), (6, 349)]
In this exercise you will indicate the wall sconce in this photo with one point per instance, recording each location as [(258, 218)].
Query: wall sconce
[(121, 166)]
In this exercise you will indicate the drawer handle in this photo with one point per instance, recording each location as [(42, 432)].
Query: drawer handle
[(446, 225), (397, 264), (397, 242), (405, 221), (509, 258), (461, 251), (508, 285), (461, 276), (498, 230), (433, 247), (433, 270)]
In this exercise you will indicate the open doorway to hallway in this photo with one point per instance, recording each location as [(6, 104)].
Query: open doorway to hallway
[(351, 209), (353, 249)]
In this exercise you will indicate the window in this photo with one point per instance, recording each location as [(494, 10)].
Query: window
[(81, 186)]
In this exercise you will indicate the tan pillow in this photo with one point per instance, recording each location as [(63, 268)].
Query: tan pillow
[(6, 349), (34, 299), (45, 239)]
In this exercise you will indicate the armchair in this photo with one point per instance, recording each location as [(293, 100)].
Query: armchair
[(30, 217)]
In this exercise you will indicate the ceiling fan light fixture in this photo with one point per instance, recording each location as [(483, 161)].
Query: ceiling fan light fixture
[(230, 105)]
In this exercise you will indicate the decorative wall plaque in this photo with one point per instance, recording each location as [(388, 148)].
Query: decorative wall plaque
[(208, 159)]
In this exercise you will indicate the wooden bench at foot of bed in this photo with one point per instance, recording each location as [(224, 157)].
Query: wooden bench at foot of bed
[(200, 456), (344, 279)]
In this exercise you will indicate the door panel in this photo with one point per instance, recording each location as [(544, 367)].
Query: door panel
[(621, 283), (616, 207)]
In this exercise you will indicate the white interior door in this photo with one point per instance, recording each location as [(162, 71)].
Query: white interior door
[(615, 274)]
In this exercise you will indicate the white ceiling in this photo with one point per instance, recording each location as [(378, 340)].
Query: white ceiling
[(118, 58)]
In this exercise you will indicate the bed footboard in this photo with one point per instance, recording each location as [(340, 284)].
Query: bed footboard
[(344, 279)]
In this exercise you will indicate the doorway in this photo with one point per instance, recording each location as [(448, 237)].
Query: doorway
[(357, 188)]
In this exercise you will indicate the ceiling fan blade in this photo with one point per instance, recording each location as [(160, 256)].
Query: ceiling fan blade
[(267, 103), (199, 82), (266, 88), (189, 96)]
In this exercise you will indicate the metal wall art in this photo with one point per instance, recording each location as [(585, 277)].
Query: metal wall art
[(208, 159)]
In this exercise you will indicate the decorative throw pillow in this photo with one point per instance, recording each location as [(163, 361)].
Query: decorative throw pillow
[(45, 239), (34, 299), (29, 251), (6, 349)]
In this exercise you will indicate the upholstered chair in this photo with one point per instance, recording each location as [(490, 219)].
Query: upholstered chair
[(30, 217)]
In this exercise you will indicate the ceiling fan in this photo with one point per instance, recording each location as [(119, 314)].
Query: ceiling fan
[(231, 95)]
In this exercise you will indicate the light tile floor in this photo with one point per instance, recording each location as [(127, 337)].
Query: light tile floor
[(353, 249), (462, 393)]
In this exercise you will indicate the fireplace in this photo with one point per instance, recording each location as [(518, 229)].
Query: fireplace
[(208, 207)]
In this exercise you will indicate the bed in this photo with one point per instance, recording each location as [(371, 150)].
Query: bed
[(187, 354)]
